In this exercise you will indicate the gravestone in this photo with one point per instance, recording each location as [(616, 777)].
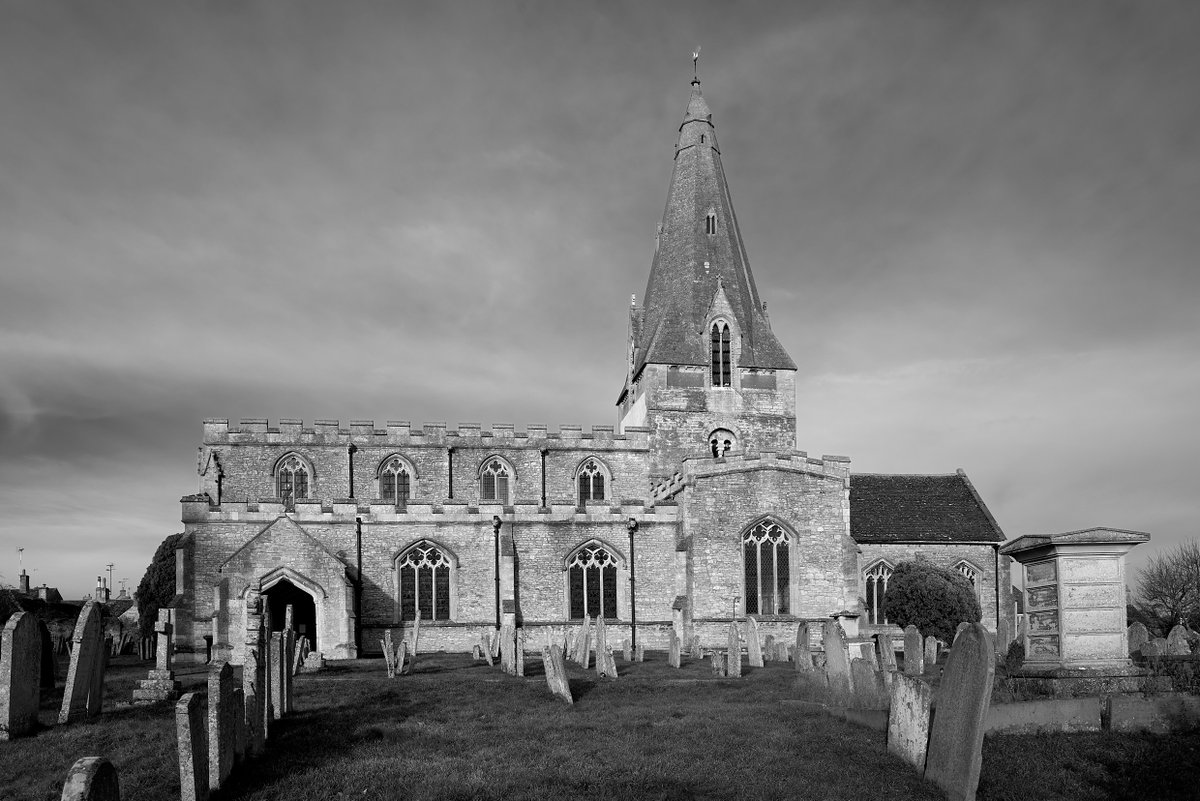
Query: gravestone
[(869, 655), (868, 684), (769, 652), (20, 669), (285, 668), (837, 660), (80, 699), (1155, 647), (908, 719), (1003, 637), (585, 645), (606, 664), (193, 747), (314, 662), (485, 644), (508, 644), (639, 652), (1177, 644), (733, 658), (92, 779), (673, 649), (222, 727), (278, 663), (753, 644), (240, 744), (1138, 636), (628, 648), (931, 652), (602, 652), (519, 654), (416, 637), (555, 668), (956, 735), (914, 652), (803, 652), (885, 652), (160, 683), (718, 664), (253, 689)]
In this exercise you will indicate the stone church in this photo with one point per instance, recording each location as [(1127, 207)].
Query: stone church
[(695, 507)]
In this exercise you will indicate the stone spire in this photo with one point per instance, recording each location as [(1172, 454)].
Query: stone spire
[(699, 252)]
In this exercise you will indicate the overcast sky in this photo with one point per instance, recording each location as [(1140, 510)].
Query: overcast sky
[(975, 225)]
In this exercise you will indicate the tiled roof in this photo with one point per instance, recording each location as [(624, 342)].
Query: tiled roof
[(906, 508)]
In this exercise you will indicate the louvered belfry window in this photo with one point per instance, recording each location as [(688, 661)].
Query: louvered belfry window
[(721, 358), (765, 556)]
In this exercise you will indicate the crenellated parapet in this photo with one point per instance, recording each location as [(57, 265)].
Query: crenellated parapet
[(828, 466), (401, 433)]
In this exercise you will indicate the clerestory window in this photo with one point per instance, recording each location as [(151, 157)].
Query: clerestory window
[(722, 360), (292, 479), (423, 582), (395, 482), (592, 582), (876, 587), (591, 481), (765, 551)]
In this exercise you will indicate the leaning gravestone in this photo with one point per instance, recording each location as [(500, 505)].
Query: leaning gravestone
[(733, 666), (753, 644), (914, 652), (193, 759), (803, 649), (1138, 636), (1177, 644), (956, 736), (92, 779), (222, 732), (20, 666), (556, 673), (908, 719), (837, 660), (87, 668), (885, 653)]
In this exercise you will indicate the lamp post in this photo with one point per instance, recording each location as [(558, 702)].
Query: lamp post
[(632, 526), (496, 523)]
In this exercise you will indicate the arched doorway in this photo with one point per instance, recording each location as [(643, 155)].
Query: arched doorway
[(304, 610)]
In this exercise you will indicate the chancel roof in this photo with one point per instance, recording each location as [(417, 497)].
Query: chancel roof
[(915, 508)]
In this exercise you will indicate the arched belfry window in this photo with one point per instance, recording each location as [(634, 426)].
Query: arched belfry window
[(592, 481), (423, 582), (292, 478), (969, 572), (721, 441), (876, 587), (395, 481), (765, 552), (495, 477), (710, 219), (592, 582), (722, 367)]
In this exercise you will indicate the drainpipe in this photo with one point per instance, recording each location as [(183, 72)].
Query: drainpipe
[(450, 472), (350, 451), (358, 587), (496, 531), (544, 452), (632, 525), (996, 553)]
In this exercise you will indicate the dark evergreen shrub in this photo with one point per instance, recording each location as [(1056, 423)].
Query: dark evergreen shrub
[(1014, 657), (157, 587), (934, 599)]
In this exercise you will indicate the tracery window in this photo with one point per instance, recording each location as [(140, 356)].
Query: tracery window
[(765, 549), (720, 442), (395, 482), (423, 582), (877, 581), (592, 582), (968, 570), (722, 368), (591, 482), (493, 482), (291, 477)]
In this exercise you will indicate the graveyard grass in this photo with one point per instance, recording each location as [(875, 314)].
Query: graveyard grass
[(457, 729)]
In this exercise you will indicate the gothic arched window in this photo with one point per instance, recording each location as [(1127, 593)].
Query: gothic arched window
[(395, 481), (765, 559), (591, 481), (423, 579), (722, 367), (291, 478), (592, 582), (494, 481), (877, 581)]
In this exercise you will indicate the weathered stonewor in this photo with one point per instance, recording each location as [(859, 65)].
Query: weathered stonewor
[(485, 646), (222, 724), (769, 652), (555, 668), (390, 662), (298, 655), (803, 652), (254, 686), (869, 691), (508, 646), (585, 651), (314, 662), (1138, 635), (416, 640), (20, 669), (160, 683), (867, 650), (1177, 644), (673, 649), (627, 647), (754, 654), (885, 653), (86, 674), (606, 664), (279, 664), (908, 719), (837, 660), (1155, 647), (914, 652), (956, 736), (733, 659), (718, 664), (639, 653), (92, 779), (193, 747), (931, 652)]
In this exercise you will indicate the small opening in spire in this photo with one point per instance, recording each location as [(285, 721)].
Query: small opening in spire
[(710, 223)]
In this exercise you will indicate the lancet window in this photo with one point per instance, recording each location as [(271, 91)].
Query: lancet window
[(722, 361), (765, 551)]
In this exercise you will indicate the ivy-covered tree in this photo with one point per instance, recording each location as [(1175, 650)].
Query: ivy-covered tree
[(157, 587), (934, 599)]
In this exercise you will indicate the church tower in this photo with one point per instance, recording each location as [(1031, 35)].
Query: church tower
[(706, 375)]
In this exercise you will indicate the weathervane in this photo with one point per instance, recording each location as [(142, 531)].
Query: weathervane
[(696, 64)]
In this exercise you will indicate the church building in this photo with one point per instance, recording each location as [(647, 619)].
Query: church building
[(694, 508)]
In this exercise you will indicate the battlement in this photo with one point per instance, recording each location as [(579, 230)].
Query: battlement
[(288, 431), (829, 466)]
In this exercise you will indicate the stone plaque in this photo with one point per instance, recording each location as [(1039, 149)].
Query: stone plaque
[(1043, 647), (1043, 597), (1093, 620), (1094, 595), (1097, 647), (1040, 573), (1084, 570), (1043, 621)]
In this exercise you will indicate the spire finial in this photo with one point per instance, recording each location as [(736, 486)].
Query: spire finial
[(696, 65)]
